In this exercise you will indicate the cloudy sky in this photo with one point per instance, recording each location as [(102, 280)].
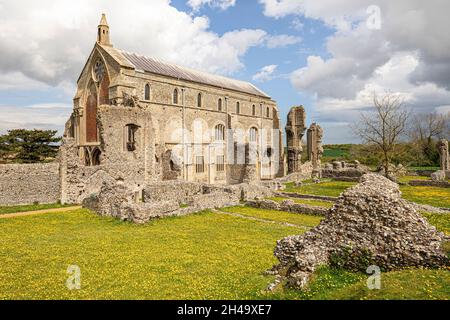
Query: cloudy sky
[(329, 55)]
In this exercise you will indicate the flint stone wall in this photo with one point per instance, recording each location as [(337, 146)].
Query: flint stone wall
[(370, 224), (429, 183), (287, 206), (167, 199), (29, 183)]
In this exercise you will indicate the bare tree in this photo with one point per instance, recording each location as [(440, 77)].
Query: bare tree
[(427, 127), (384, 126)]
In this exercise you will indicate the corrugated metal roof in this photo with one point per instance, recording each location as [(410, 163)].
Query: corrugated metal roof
[(171, 70)]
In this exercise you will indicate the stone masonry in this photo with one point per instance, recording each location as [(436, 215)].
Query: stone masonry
[(315, 150), (295, 130), (369, 225), (29, 183)]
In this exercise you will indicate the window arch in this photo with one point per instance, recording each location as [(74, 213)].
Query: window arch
[(175, 96), (254, 110), (130, 139), (147, 92), (199, 100), (268, 112), (219, 132), (219, 104), (253, 134), (238, 107)]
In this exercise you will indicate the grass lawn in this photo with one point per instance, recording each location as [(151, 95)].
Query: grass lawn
[(31, 207), (330, 188), (407, 179), (440, 221), (413, 284), (434, 196), (278, 216), (317, 203), (202, 256)]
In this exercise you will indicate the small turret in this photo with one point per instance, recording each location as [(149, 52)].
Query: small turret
[(103, 32)]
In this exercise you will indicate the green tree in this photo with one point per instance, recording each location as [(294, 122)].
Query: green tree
[(29, 146)]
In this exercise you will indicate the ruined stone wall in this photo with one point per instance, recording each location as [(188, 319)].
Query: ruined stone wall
[(295, 130), (29, 183)]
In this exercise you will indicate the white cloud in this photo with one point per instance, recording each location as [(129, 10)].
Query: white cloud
[(280, 41), (394, 74), (297, 24), (49, 41), (40, 116), (409, 54), (222, 4), (265, 74)]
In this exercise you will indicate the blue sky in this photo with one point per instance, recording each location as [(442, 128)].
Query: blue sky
[(249, 15), (325, 55)]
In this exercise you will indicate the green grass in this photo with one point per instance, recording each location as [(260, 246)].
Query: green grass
[(424, 168), (407, 179), (32, 207), (317, 203), (278, 216), (434, 196), (203, 256), (440, 221), (413, 284)]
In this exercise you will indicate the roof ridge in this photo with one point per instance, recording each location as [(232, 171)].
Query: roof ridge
[(142, 64)]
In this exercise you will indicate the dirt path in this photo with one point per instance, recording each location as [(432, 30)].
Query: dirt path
[(33, 213)]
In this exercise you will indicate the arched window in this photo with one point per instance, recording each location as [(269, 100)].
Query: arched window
[(253, 134), (199, 100), (238, 108), (254, 110), (131, 130), (147, 92), (175, 96), (219, 105), (220, 132), (268, 112)]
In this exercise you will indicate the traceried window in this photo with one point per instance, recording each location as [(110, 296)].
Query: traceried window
[(219, 132), (219, 105), (254, 110), (238, 107), (147, 92), (131, 130), (199, 164), (175, 96), (199, 100), (220, 163), (99, 71), (253, 134)]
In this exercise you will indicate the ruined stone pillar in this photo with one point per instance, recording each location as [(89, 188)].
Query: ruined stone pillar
[(444, 156), (295, 130), (315, 150)]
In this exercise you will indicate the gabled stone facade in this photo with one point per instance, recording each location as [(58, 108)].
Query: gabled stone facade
[(142, 127)]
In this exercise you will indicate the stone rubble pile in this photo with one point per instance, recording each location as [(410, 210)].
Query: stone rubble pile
[(370, 224)]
